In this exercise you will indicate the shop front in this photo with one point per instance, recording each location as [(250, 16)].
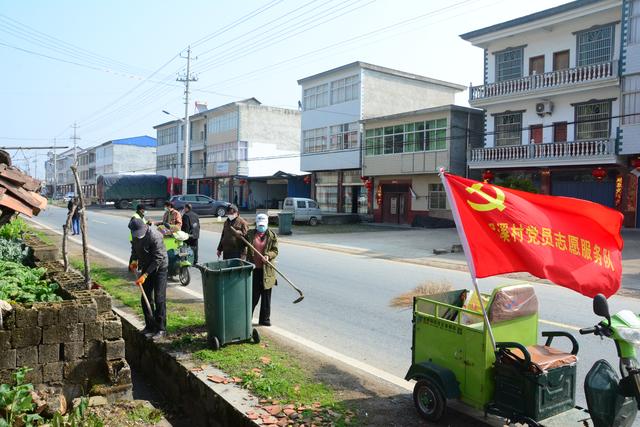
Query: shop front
[(341, 191)]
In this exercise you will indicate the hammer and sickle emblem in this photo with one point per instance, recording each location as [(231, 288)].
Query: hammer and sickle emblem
[(492, 202)]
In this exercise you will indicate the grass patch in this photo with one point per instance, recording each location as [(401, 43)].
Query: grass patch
[(269, 373), (145, 415)]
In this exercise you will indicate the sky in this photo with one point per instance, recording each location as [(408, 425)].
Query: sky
[(111, 66)]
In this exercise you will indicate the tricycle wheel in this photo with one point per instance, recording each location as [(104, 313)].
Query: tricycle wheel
[(184, 276), (255, 336), (214, 343), (429, 400)]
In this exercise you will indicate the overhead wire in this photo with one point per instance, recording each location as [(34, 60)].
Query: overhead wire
[(288, 33)]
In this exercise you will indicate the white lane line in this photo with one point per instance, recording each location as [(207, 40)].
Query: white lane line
[(559, 325), (99, 222)]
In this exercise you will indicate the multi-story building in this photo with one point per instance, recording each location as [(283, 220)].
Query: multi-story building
[(87, 171), (127, 155), (333, 103), (557, 115), (239, 152), (403, 154)]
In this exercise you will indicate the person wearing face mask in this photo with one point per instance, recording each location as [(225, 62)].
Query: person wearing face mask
[(171, 218), (231, 245), (265, 242)]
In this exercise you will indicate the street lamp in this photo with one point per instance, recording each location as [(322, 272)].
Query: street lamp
[(186, 152)]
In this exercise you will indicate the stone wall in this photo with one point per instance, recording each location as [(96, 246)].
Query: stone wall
[(75, 344)]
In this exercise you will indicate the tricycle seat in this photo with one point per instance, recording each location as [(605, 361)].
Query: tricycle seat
[(545, 358)]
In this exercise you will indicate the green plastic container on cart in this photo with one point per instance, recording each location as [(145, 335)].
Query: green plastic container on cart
[(285, 222), (227, 289)]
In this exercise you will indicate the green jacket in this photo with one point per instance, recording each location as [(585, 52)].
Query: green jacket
[(270, 250)]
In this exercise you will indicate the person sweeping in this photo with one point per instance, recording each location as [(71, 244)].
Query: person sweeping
[(263, 250), (149, 255)]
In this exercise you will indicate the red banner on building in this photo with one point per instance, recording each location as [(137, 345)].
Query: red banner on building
[(571, 242)]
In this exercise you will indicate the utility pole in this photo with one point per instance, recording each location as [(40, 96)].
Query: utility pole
[(186, 79), (75, 154), (55, 168)]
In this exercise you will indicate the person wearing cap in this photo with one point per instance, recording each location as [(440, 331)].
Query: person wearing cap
[(191, 226), (231, 245), (149, 256), (265, 242)]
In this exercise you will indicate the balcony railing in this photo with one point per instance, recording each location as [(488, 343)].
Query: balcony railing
[(576, 150), (552, 79)]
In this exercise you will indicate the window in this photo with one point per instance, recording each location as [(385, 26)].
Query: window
[(595, 46), (437, 197), (429, 135), (313, 205), (314, 140), (327, 191), (508, 129), (630, 99), (301, 204), (593, 120), (346, 89), (288, 202), (633, 25), (316, 97), (222, 123), (508, 64), (166, 161), (243, 150), (168, 136), (343, 137), (229, 152)]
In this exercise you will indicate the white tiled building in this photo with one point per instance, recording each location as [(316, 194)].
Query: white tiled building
[(555, 104)]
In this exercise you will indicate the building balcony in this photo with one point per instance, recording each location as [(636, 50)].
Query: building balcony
[(579, 78), (197, 170), (601, 151), (196, 145)]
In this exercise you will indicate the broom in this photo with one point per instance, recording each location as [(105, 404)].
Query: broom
[(405, 300)]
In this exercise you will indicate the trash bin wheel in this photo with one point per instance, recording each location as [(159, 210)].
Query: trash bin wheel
[(214, 343), (255, 336), (429, 400), (184, 276)]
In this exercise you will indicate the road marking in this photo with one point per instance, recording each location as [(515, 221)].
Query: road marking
[(560, 325), (99, 222)]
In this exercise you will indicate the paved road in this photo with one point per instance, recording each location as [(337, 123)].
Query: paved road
[(347, 296)]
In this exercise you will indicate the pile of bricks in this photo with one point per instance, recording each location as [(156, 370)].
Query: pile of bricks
[(76, 343)]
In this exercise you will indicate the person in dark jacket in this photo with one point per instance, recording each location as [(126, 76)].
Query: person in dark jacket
[(231, 245), (75, 219), (149, 256), (264, 276), (191, 226)]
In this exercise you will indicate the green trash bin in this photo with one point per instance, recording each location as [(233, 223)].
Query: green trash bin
[(227, 289), (285, 221)]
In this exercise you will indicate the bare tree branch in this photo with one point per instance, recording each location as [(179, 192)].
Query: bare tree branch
[(83, 229)]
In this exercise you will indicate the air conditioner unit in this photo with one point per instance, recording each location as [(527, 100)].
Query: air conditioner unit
[(544, 107)]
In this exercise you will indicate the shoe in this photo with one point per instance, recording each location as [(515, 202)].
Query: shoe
[(159, 335), (147, 330), (265, 323)]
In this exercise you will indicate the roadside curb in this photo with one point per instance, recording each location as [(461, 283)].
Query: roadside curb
[(185, 383)]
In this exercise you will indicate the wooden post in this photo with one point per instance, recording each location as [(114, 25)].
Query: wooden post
[(83, 229), (65, 232)]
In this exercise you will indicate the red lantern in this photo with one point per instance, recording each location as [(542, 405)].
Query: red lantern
[(363, 178), (307, 179), (368, 185), (487, 175), (635, 163), (599, 173), (243, 181)]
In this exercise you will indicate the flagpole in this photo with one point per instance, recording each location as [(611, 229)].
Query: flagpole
[(467, 254)]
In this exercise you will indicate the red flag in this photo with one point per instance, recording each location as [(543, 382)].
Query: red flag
[(571, 242)]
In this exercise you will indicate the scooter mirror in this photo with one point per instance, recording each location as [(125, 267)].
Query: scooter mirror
[(601, 307)]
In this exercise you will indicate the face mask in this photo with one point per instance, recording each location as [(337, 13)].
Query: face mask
[(261, 228), (232, 216)]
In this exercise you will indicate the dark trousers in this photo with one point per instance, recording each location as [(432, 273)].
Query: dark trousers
[(231, 254), (194, 248), (260, 293), (155, 287)]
